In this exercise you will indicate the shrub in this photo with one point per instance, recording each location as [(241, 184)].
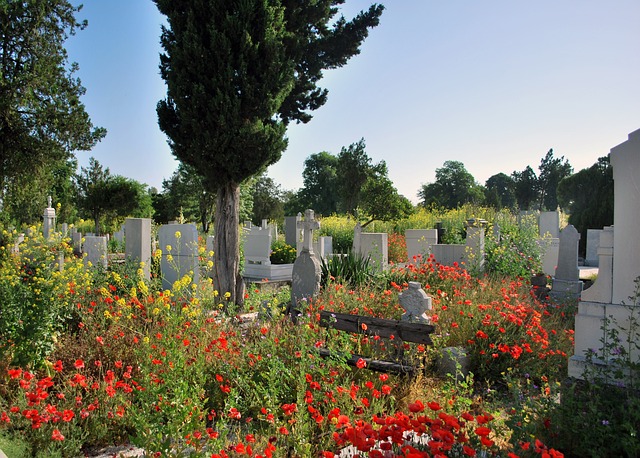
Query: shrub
[(351, 268), (282, 253)]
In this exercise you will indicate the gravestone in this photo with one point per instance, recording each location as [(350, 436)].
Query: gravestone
[(549, 224), (593, 243), (611, 298), (415, 302), (291, 230), (49, 220), (182, 259), (566, 284), (375, 246), (94, 250), (16, 245), (138, 243), (257, 245), (550, 250), (76, 240), (419, 242), (323, 247), (119, 235), (357, 237), (474, 250), (307, 273), (64, 228)]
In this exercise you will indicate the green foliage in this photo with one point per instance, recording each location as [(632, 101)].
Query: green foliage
[(108, 199), (38, 298), (552, 171), (267, 200), (340, 228), (517, 252), (320, 182), (282, 253), (351, 268), (454, 186), (381, 201), (500, 192), (588, 198), (42, 121), (237, 73)]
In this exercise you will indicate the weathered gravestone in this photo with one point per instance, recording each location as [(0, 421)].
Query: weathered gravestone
[(415, 302), (375, 246), (182, 258), (307, 272), (611, 302), (291, 230), (94, 249), (549, 224), (138, 242), (566, 284)]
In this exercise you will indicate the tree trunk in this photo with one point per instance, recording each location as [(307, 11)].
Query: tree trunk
[(226, 246)]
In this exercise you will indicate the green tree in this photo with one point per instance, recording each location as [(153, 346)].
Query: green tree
[(453, 187), (185, 194), (42, 121), (267, 200), (320, 182), (588, 197), (108, 199), (237, 73), (526, 188), (500, 191), (381, 201), (551, 171), (354, 168)]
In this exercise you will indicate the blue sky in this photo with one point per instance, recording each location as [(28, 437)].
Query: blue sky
[(493, 84)]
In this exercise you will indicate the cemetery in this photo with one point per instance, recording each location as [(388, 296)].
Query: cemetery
[(497, 320), (140, 348)]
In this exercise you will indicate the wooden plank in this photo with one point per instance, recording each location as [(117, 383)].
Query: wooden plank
[(371, 326), (374, 364)]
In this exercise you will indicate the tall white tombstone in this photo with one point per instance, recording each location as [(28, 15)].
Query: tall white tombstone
[(291, 230), (375, 246), (419, 242), (323, 247), (182, 259), (619, 266), (94, 249), (49, 220), (138, 242), (475, 244), (550, 249)]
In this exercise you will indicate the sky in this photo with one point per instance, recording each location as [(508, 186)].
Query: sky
[(492, 84)]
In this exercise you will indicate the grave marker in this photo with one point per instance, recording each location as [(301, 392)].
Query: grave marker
[(306, 275), (182, 259)]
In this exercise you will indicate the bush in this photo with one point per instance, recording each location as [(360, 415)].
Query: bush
[(282, 253), (351, 268)]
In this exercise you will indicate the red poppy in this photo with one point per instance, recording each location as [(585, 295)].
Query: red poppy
[(57, 435), (361, 363), (79, 364)]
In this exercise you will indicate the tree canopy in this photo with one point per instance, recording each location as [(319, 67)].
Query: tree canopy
[(237, 73), (453, 187), (42, 120), (588, 197)]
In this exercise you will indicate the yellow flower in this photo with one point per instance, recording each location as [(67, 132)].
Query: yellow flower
[(168, 247), (227, 295), (178, 234)]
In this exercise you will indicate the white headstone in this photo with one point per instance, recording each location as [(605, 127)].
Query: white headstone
[(138, 242), (549, 224), (257, 245), (593, 242), (183, 260), (375, 246), (49, 220), (95, 250), (415, 302), (419, 242)]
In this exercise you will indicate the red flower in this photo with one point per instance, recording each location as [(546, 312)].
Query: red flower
[(57, 436), (483, 431), (361, 363), (416, 407), (79, 364), (434, 406), (284, 431)]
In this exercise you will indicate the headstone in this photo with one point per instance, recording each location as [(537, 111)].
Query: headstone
[(419, 242), (49, 220), (94, 250), (415, 302), (138, 242), (550, 249), (448, 255), (182, 259), (76, 240), (16, 245), (475, 244), (291, 230), (566, 283), (65, 229), (549, 224), (257, 245), (593, 243), (357, 237), (323, 247), (375, 246), (307, 272), (119, 235)]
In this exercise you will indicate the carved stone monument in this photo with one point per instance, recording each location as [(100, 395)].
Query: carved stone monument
[(305, 282)]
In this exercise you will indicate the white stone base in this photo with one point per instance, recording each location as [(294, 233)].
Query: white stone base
[(270, 272)]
